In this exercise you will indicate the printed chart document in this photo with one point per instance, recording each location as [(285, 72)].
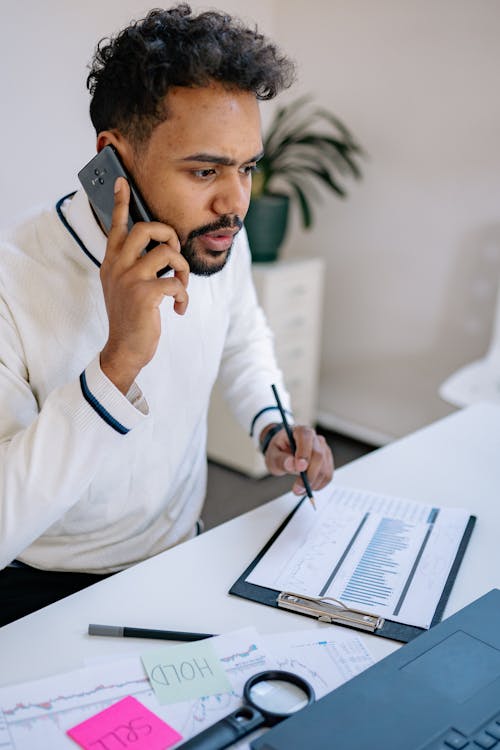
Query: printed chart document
[(326, 658), (384, 555), (37, 715)]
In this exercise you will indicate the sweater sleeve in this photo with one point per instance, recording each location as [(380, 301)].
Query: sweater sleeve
[(47, 452), (249, 365)]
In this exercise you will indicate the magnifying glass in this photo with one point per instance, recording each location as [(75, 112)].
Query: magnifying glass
[(268, 698)]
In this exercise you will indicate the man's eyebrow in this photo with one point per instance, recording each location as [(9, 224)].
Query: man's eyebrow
[(224, 160)]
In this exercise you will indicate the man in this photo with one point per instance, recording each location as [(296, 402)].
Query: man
[(105, 375)]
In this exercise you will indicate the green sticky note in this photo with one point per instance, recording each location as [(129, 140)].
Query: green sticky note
[(190, 670)]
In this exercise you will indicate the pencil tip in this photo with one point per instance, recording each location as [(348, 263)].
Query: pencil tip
[(313, 502)]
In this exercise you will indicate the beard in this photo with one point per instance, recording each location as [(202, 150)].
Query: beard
[(198, 260)]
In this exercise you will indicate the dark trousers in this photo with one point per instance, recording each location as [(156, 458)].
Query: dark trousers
[(24, 590)]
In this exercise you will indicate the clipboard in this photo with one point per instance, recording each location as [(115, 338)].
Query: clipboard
[(333, 611)]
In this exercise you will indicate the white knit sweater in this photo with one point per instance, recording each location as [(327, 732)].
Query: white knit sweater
[(91, 480)]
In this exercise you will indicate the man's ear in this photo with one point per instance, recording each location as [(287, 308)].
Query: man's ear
[(116, 139), (105, 138)]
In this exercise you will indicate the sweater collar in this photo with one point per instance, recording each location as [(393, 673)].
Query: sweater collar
[(77, 216)]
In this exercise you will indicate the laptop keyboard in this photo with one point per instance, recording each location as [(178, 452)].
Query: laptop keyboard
[(488, 736)]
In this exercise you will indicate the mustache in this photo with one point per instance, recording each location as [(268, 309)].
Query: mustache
[(225, 222)]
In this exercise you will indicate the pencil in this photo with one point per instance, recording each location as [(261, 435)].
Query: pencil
[(165, 635), (293, 446)]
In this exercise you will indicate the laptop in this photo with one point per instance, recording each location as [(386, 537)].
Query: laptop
[(439, 692)]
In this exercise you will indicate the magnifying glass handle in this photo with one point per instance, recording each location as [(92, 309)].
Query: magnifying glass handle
[(226, 731)]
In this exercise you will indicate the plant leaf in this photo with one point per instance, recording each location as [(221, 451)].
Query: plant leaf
[(305, 209), (306, 146), (279, 123)]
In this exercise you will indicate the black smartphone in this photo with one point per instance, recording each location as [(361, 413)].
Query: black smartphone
[(98, 180)]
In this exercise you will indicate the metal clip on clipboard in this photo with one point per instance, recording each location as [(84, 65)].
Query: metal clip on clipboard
[(335, 612)]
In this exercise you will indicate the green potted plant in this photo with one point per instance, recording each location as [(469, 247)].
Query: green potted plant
[(304, 147)]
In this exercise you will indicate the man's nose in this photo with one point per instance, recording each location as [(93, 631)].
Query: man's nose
[(232, 196)]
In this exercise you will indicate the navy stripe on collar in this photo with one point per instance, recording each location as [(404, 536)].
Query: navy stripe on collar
[(72, 231)]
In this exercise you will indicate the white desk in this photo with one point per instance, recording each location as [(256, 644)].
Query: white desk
[(454, 462)]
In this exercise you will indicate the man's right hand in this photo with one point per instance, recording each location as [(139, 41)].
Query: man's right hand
[(132, 291)]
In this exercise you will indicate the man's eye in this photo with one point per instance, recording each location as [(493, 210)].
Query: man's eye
[(203, 173), (250, 169)]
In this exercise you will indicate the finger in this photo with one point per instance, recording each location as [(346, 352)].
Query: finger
[(315, 484), (161, 256), (298, 488), (277, 453), (304, 441), (293, 463), (139, 238), (172, 287), (320, 471), (119, 218), (121, 201)]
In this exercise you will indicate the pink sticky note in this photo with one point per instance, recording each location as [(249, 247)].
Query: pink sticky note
[(126, 724)]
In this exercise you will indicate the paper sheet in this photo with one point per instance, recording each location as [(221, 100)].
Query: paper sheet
[(382, 554), (326, 657), (37, 715)]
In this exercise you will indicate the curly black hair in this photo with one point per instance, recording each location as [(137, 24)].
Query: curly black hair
[(132, 72)]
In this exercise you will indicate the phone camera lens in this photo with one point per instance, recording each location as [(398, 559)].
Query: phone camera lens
[(101, 180)]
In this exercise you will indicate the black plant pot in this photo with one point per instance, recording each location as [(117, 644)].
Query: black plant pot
[(266, 223)]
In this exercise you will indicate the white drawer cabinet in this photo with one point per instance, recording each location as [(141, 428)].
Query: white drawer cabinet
[(290, 293)]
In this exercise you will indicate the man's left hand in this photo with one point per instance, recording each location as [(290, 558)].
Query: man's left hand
[(312, 455)]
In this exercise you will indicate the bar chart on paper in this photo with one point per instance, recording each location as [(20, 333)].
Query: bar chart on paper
[(381, 554), (383, 574), (370, 583)]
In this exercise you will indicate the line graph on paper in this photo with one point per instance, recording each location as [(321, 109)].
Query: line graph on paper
[(238, 665), (41, 721), (326, 662), (37, 715), (30, 711)]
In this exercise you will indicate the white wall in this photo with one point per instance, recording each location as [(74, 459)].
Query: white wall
[(413, 256), (45, 47)]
